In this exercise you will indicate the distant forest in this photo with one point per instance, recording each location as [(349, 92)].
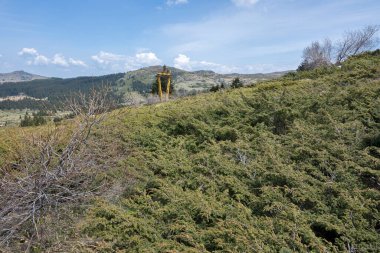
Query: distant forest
[(54, 88)]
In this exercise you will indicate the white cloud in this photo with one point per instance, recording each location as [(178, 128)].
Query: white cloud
[(60, 60), (176, 2), (264, 68), (244, 3), (40, 60), (77, 62), (33, 57), (107, 58), (184, 62), (28, 51), (219, 68), (118, 62), (148, 58)]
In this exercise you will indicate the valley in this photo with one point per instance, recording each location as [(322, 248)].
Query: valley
[(133, 87)]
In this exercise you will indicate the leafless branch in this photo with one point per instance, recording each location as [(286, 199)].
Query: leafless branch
[(48, 176), (317, 54), (355, 42)]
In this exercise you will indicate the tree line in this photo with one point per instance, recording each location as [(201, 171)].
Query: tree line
[(55, 89), (236, 83), (36, 119)]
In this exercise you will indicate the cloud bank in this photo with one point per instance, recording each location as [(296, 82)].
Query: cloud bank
[(119, 62), (33, 57), (184, 62)]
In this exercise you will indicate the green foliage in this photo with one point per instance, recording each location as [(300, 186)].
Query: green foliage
[(226, 134), (217, 87), (291, 165), (236, 83), (37, 119)]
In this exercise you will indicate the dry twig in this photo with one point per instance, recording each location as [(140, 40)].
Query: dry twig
[(46, 179)]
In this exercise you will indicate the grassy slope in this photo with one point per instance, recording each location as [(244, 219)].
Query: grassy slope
[(288, 165)]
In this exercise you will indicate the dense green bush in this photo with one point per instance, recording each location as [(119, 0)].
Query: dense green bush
[(290, 165)]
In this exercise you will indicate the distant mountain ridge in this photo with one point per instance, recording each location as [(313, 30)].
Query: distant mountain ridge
[(137, 83), (19, 76), (189, 81)]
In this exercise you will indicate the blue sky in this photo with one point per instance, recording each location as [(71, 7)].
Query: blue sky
[(94, 37)]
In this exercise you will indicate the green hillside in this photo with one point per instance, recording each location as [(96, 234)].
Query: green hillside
[(288, 165), (55, 89), (140, 81), (186, 81)]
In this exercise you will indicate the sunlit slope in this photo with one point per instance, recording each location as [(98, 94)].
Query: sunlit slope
[(290, 165)]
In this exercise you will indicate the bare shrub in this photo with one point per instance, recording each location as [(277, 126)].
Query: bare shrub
[(316, 55), (320, 54), (49, 174), (355, 42), (152, 99), (133, 98)]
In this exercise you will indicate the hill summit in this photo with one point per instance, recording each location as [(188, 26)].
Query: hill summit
[(19, 76)]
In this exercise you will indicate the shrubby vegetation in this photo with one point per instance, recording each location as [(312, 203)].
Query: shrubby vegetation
[(289, 165), (50, 172), (217, 87), (37, 119), (236, 83)]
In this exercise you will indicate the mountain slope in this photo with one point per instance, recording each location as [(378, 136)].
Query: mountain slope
[(19, 76), (138, 81), (290, 165), (185, 81), (55, 89)]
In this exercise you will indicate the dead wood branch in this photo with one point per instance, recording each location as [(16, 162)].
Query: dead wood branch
[(48, 176)]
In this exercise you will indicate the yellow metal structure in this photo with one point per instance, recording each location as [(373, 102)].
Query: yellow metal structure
[(165, 73)]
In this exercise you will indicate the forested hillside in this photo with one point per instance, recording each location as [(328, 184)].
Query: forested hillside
[(55, 89), (138, 81), (288, 165)]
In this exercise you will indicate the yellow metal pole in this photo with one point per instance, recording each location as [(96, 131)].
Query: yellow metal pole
[(168, 88), (159, 87)]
